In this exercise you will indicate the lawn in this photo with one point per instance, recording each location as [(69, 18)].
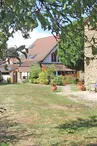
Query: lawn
[(36, 116)]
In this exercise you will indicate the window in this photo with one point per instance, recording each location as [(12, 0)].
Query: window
[(53, 57), (5, 73)]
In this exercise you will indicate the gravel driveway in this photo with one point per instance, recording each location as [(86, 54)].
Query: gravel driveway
[(85, 95)]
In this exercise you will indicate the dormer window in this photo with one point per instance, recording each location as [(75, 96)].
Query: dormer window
[(53, 57)]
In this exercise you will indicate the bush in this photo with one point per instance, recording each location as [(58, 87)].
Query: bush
[(46, 82), (30, 80), (51, 70), (69, 80), (35, 81), (34, 71), (58, 80), (43, 77), (63, 80), (9, 80)]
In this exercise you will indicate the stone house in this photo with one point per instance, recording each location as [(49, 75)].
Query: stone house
[(90, 61)]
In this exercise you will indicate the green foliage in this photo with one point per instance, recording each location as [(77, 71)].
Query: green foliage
[(54, 15), (44, 77), (9, 80), (50, 71), (30, 80), (34, 71), (69, 79), (58, 80), (71, 49), (35, 81), (3, 144), (47, 75), (14, 52), (63, 80)]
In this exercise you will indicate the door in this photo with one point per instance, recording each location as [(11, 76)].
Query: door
[(15, 77)]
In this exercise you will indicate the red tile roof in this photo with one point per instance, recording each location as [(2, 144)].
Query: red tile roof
[(24, 69), (41, 48), (59, 67)]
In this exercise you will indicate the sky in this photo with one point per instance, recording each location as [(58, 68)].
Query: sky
[(18, 40)]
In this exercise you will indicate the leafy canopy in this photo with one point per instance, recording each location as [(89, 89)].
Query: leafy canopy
[(54, 15), (71, 48), (13, 52)]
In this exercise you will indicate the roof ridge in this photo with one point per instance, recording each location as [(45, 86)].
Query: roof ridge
[(39, 39), (44, 37)]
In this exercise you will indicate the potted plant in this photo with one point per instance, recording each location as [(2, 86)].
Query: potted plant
[(54, 87), (81, 86)]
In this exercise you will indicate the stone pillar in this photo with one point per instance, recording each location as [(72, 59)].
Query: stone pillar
[(90, 60)]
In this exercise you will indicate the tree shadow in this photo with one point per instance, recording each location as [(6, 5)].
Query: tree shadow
[(79, 124), (5, 84), (12, 131), (95, 144)]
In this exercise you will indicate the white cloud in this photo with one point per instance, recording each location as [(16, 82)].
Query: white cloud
[(18, 40)]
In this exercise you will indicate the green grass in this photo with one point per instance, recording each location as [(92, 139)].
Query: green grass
[(37, 116)]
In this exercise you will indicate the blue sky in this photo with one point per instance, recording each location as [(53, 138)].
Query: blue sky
[(18, 40)]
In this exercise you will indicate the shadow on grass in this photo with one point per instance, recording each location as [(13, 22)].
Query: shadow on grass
[(79, 124), (95, 144), (11, 132), (4, 84)]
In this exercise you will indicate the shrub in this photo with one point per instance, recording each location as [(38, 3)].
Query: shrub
[(69, 80), (50, 70), (58, 80), (30, 80), (43, 77), (9, 80), (35, 81), (46, 82), (34, 71)]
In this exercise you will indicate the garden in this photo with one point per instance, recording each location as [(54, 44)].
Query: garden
[(47, 76), (34, 115)]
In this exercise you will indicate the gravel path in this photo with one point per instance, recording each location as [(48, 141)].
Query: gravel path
[(85, 95)]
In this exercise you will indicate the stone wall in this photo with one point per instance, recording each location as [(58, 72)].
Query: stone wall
[(90, 60)]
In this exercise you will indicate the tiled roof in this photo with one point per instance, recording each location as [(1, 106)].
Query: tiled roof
[(24, 69), (41, 48), (59, 67)]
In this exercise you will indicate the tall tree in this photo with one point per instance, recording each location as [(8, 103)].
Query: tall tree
[(53, 15), (71, 48)]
